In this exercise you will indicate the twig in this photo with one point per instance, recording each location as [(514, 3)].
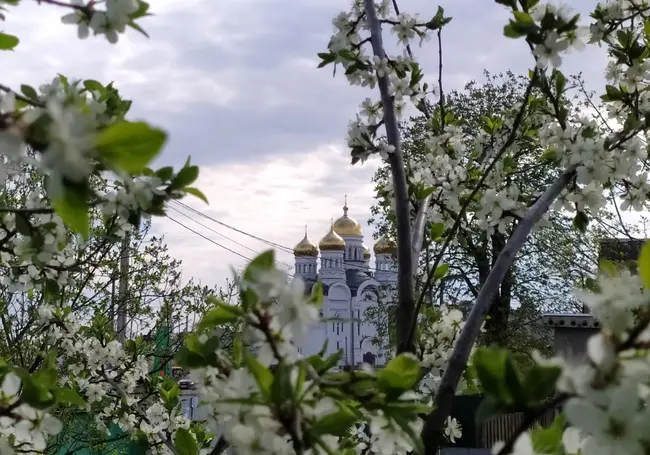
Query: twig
[(406, 300), (219, 447), (139, 410), (458, 360), (36, 103), (420, 217), (529, 419), (66, 5), (44, 210)]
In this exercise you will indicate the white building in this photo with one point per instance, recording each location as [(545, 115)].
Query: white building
[(341, 262)]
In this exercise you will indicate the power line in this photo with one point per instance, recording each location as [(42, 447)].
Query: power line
[(221, 223), (219, 233), (208, 238), (268, 242), (212, 230)]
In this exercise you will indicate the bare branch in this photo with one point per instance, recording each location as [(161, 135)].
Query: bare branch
[(405, 289), (459, 357)]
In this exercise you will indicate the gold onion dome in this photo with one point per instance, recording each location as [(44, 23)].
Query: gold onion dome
[(306, 247), (332, 241), (384, 246), (366, 252), (346, 225)]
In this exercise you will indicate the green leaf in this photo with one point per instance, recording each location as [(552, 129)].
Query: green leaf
[(93, 86), (560, 82), (402, 372), (281, 390), (437, 230), (237, 351), (337, 424), (490, 364), (549, 156), (608, 267), (130, 146), (549, 440), (646, 28), (23, 226), (69, 397), (8, 42), (220, 315), (489, 408), (262, 375), (523, 17), (136, 27), (518, 29), (185, 443), (185, 177), (326, 59), (441, 271), (164, 173), (644, 264), (72, 207), (35, 390), (513, 383), (539, 383), (317, 294), (262, 262), (29, 91), (196, 192)]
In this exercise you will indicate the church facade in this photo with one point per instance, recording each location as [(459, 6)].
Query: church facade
[(341, 263)]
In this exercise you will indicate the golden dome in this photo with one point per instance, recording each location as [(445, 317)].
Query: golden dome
[(384, 246), (306, 248), (366, 252), (332, 241), (346, 225)]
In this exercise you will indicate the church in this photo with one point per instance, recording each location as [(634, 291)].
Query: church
[(341, 262)]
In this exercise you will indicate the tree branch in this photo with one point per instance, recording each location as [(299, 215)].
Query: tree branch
[(420, 217), (459, 357), (406, 299), (139, 410)]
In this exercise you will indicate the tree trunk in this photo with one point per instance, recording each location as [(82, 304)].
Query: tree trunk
[(496, 325)]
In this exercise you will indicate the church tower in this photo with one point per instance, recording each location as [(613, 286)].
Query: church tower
[(306, 254), (350, 230), (332, 248), (385, 250)]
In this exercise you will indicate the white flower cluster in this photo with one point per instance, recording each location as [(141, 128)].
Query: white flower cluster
[(133, 196), (581, 144), (273, 325), (74, 116), (363, 69), (437, 342), (30, 260), (24, 427), (549, 53), (608, 393), (109, 23), (107, 377), (450, 166)]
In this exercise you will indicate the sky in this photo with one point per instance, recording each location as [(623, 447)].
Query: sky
[(235, 84)]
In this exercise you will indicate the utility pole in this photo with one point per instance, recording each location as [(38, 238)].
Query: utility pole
[(123, 289)]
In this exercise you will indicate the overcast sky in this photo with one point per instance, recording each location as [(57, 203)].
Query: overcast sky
[(235, 84)]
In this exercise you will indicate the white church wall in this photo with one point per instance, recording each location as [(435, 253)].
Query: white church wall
[(366, 332)]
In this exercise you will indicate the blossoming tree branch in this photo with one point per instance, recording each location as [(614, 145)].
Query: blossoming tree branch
[(450, 189)]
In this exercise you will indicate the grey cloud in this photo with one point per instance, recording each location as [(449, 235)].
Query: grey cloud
[(284, 107)]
